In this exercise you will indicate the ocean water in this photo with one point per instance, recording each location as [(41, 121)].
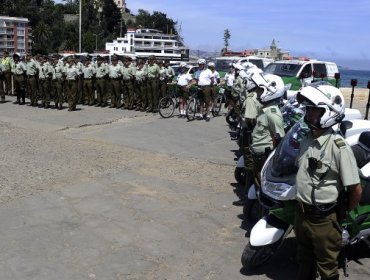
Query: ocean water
[(347, 75)]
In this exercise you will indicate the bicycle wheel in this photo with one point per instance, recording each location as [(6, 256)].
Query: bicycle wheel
[(191, 109), (166, 107), (217, 106)]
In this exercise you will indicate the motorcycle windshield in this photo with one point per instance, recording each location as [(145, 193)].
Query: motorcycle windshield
[(283, 162)]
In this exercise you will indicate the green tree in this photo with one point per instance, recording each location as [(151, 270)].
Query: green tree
[(41, 34), (157, 20), (112, 18), (227, 37)]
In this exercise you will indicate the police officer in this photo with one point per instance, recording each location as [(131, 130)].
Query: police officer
[(101, 82), (204, 78), (269, 127), (7, 63), (326, 165), (115, 76), (2, 92), (32, 74), (152, 84), (184, 80), (140, 87), (72, 74), (58, 83), (19, 74), (127, 89), (88, 71)]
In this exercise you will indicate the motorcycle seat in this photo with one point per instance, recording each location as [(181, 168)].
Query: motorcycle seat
[(362, 149), (344, 125)]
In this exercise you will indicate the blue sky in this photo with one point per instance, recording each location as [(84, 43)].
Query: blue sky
[(325, 29)]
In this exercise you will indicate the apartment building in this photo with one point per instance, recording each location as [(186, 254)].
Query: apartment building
[(14, 35)]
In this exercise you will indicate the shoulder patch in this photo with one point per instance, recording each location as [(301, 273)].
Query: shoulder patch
[(273, 110), (340, 143)]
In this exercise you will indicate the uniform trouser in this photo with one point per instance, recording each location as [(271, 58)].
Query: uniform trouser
[(128, 94), (32, 89), (20, 87), (253, 164), (58, 91), (206, 95), (89, 95), (101, 90), (8, 82), (319, 243), (46, 91), (71, 91), (137, 90), (115, 89), (162, 89), (152, 93), (2, 92), (80, 89)]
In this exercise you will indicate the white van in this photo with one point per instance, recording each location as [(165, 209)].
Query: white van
[(302, 72)]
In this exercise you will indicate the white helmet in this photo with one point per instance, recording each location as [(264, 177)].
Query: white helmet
[(211, 64), (327, 97), (238, 66), (183, 64), (252, 77), (273, 87), (201, 61), (248, 65)]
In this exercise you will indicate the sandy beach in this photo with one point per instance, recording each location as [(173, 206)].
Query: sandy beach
[(360, 98)]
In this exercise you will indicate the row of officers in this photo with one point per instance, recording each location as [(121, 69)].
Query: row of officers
[(126, 83)]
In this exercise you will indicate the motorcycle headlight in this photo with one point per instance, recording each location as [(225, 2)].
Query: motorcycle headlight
[(279, 191)]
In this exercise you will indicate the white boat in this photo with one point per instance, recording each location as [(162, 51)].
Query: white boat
[(145, 42)]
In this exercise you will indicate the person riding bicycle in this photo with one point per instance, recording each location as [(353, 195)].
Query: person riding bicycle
[(204, 78), (326, 165), (183, 84)]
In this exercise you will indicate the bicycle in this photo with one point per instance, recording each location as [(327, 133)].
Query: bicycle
[(194, 104), (217, 104), (168, 104)]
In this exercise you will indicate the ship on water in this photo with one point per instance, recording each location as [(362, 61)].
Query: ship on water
[(144, 42)]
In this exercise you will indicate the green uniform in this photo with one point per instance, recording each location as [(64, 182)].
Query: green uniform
[(19, 72), (72, 75), (45, 75), (152, 83), (140, 88), (127, 90), (269, 124), (7, 63), (2, 92), (162, 87), (318, 232), (101, 83), (115, 75), (57, 85), (80, 84), (88, 75), (32, 73), (238, 93)]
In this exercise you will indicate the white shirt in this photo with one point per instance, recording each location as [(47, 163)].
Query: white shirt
[(229, 78), (204, 77), (216, 77), (184, 79)]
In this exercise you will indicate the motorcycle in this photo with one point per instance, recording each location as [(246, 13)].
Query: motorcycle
[(278, 193)]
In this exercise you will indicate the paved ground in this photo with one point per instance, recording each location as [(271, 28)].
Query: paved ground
[(113, 194)]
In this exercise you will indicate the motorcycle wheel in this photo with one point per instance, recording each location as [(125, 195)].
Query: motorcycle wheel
[(217, 106), (231, 118), (253, 257), (240, 175)]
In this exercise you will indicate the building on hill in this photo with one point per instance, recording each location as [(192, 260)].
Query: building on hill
[(14, 35), (144, 42), (273, 52)]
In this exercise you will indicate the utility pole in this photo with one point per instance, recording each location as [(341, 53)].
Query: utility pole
[(80, 28)]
